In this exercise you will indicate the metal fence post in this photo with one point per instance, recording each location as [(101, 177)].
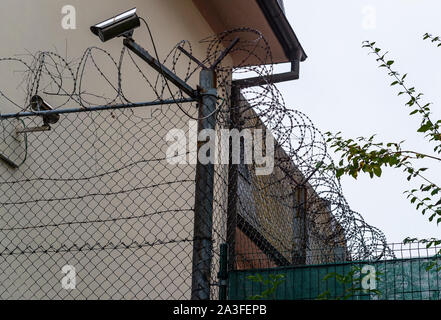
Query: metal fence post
[(300, 232), (223, 271), (233, 172), (203, 209)]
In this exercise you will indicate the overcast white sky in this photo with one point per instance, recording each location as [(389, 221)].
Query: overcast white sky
[(341, 89)]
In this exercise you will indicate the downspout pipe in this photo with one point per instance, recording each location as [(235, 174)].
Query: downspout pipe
[(282, 29), (271, 79)]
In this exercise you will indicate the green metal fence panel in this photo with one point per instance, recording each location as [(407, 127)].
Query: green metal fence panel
[(398, 279)]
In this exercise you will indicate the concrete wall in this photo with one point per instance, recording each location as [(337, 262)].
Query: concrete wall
[(270, 204), (30, 26)]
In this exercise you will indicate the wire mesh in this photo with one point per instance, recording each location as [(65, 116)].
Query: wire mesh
[(97, 193)]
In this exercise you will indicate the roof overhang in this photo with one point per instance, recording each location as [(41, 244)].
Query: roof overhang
[(266, 16)]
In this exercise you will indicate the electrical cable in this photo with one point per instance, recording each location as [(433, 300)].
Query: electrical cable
[(166, 81)]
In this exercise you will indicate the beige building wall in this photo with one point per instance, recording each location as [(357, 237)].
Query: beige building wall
[(270, 204), (91, 145)]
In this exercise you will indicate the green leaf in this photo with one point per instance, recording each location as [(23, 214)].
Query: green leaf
[(425, 127), (325, 295), (377, 171), (329, 275), (340, 172)]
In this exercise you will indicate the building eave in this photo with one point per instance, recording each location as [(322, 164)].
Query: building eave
[(282, 29), (266, 16)]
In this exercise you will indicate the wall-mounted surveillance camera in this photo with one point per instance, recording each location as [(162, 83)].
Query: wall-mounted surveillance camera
[(38, 104), (120, 25)]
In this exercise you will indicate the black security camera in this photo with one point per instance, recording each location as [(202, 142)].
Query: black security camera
[(120, 25), (38, 104)]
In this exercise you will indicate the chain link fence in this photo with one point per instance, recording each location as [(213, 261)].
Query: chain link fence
[(97, 193)]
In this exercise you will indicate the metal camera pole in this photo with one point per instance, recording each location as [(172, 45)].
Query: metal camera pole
[(203, 210)]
